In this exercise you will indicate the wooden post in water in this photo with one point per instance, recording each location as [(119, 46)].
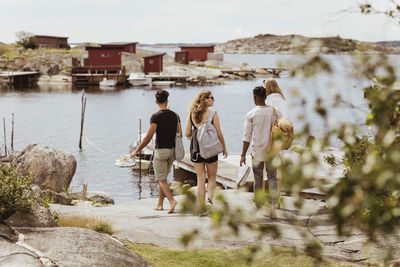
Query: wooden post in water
[(84, 191), (12, 133), (83, 100), (5, 138), (140, 152)]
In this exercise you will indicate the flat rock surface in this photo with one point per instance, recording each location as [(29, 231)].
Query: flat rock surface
[(137, 222), (68, 246)]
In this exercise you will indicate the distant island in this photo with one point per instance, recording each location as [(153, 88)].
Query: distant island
[(290, 44)]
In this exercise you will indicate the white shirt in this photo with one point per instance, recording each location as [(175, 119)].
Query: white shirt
[(257, 129), (277, 101)]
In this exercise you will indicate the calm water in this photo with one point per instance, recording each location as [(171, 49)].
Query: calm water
[(51, 116)]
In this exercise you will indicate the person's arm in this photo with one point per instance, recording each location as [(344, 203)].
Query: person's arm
[(248, 131), (244, 151), (188, 129), (146, 139), (219, 132)]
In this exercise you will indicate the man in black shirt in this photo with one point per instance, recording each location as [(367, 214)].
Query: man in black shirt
[(165, 123)]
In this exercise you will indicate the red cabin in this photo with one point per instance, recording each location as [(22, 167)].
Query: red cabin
[(182, 57), (153, 63), (104, 56), (198, 52), (129, 47)]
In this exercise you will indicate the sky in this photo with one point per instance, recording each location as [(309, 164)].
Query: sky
[(188, 21)]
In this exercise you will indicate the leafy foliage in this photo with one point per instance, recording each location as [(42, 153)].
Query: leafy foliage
[(25, 39), (15, 193)]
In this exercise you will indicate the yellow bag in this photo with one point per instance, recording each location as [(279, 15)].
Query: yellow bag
[(282, 134)]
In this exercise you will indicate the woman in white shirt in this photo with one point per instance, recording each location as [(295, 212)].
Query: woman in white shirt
[(275, 97)]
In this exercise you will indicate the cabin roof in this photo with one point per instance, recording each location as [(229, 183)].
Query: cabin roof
[(198, 45), (50, 36), (155, 55), (120, 47), (120, 43)]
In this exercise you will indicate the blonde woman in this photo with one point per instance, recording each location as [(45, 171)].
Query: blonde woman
[(275, 97), (198, 114)]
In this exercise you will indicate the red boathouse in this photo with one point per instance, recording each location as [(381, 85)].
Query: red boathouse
[(182, 57), (153, 63), (129, 47), (104, 56), (198, 52)]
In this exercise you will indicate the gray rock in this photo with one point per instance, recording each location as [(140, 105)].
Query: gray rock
[(99, 196), (8, 234), (52, 169), (13, 255), (96, 196), (68, 246), (38, 217), (132, 63), (60, 198), (53, 70)]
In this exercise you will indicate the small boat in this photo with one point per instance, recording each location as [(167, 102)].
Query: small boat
[(125, 161), (139, 79), (163, 83), (107, 83)]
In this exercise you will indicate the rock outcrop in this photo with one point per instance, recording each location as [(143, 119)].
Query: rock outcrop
[(38, 217), (51, 169), (62, 246), (289, 44), (68, 246)]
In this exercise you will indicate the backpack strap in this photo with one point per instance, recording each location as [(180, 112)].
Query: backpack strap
[(210, 116)]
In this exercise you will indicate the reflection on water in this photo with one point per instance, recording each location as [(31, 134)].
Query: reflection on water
[(50, 114)]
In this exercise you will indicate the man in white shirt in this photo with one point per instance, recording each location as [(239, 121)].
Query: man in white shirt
[(257, 130)]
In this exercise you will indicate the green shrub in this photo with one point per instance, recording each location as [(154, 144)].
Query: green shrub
[(15, 192)]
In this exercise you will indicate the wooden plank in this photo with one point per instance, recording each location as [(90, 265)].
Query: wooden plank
[(224, 173)]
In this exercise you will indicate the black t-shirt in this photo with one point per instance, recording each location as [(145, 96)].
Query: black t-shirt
[(166, 121)]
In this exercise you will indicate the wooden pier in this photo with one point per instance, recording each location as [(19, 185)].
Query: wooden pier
[(18, 77), (276, 72), (228, 168), (177, 78), (93, 75)]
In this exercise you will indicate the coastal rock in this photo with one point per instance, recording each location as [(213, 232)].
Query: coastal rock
[(60, 198), (53, 70), (51, 169), (38, 217), (98, 196), (13, 255), (68, 246), (132, 63)]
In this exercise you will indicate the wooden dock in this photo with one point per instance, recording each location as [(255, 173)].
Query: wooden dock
[(19, 77), (228, 168), (177, 78)]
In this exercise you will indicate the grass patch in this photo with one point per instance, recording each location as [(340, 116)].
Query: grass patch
[(96, 224), (159, 257)]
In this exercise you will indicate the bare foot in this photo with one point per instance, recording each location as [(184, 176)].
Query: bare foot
[(159, 208), (173, 204)]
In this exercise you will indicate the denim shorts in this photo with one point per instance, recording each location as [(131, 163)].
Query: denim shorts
[(162, 162)]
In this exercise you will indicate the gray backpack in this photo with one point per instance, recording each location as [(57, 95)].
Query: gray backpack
[(207, 137)]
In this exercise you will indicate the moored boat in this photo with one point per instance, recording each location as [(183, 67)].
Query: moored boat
[(139, 79)]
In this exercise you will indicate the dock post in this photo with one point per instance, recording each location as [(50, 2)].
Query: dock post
[(140, 152), (83, 100), (12, 133), (5, 138)]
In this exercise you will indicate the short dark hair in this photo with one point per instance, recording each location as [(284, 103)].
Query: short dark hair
[(162, 96), (260, 91)]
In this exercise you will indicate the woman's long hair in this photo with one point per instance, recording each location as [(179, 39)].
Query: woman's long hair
[(271, 86), (199, 105)]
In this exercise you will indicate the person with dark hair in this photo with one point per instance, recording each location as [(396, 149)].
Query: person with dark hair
[(257, 130), (164, 123)]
